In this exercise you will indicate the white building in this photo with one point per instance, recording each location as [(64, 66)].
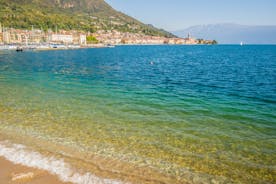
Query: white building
[(61, 38), (6, 37), (82, 40)]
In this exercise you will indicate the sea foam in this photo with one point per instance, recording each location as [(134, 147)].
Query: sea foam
[(20, 154)]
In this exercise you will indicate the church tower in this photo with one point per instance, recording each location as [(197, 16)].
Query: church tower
[(189, 36)]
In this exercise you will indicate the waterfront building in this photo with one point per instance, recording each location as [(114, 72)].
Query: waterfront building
[(1, 34), (1, 38), (61, 38), (18, 36), (180, 41), (37, 36), (6, 36), (82, 39), (79, 38), (190, 40)]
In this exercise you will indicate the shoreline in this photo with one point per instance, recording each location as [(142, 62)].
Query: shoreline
[(73, 166), (16, 173), (75, 47), (63, 163), (48, 47)]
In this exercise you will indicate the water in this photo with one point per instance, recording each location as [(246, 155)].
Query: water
[(192, 113)]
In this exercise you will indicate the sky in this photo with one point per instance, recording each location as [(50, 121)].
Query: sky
[(180, 14)]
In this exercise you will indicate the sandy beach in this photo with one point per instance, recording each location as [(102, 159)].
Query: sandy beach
[(12, 173)]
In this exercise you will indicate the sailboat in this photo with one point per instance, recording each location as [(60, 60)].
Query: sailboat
[(241, 44)]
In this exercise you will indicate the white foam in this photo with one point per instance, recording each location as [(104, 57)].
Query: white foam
[(19, 154)]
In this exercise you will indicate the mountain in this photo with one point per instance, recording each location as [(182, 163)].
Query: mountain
[(232, 33), (87, 15)]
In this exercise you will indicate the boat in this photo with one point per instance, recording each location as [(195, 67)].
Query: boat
[(19, 49), (241, 44), (110, 46)]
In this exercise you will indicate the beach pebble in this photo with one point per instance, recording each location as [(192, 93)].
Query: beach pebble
[(22, 176), (213, 181)]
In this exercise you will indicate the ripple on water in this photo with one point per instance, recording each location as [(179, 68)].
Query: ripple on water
[(201, 113)]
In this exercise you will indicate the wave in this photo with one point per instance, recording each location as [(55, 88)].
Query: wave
[(20, 154)]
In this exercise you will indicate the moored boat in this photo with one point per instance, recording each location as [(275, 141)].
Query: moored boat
[(19, 49)]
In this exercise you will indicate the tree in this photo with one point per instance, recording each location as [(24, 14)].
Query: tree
[(91, 40), (214, 42)]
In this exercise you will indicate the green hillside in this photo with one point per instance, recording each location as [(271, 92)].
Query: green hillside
[(87, 15)]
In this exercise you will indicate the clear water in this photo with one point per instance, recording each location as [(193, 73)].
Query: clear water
[(196, 112)]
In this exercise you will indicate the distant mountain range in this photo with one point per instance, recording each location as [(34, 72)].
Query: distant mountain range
[(232, 33), (87, 15)]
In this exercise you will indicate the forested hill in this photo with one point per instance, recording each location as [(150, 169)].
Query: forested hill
[(87, 15)]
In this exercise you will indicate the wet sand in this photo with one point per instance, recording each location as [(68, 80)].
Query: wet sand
[(18, 174), (102, 168)]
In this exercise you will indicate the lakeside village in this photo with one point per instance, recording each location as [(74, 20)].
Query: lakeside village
[(18, 39)]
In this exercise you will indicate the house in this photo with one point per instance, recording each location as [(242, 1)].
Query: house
[(1, 38), (6, 37), (190, 40), (1, 34)]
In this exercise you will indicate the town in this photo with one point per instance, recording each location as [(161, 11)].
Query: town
[(11, 38)]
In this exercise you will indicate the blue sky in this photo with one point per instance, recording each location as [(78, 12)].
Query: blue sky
[(179, 14)]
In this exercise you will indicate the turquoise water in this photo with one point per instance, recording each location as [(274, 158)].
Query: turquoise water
[(190, 112)]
